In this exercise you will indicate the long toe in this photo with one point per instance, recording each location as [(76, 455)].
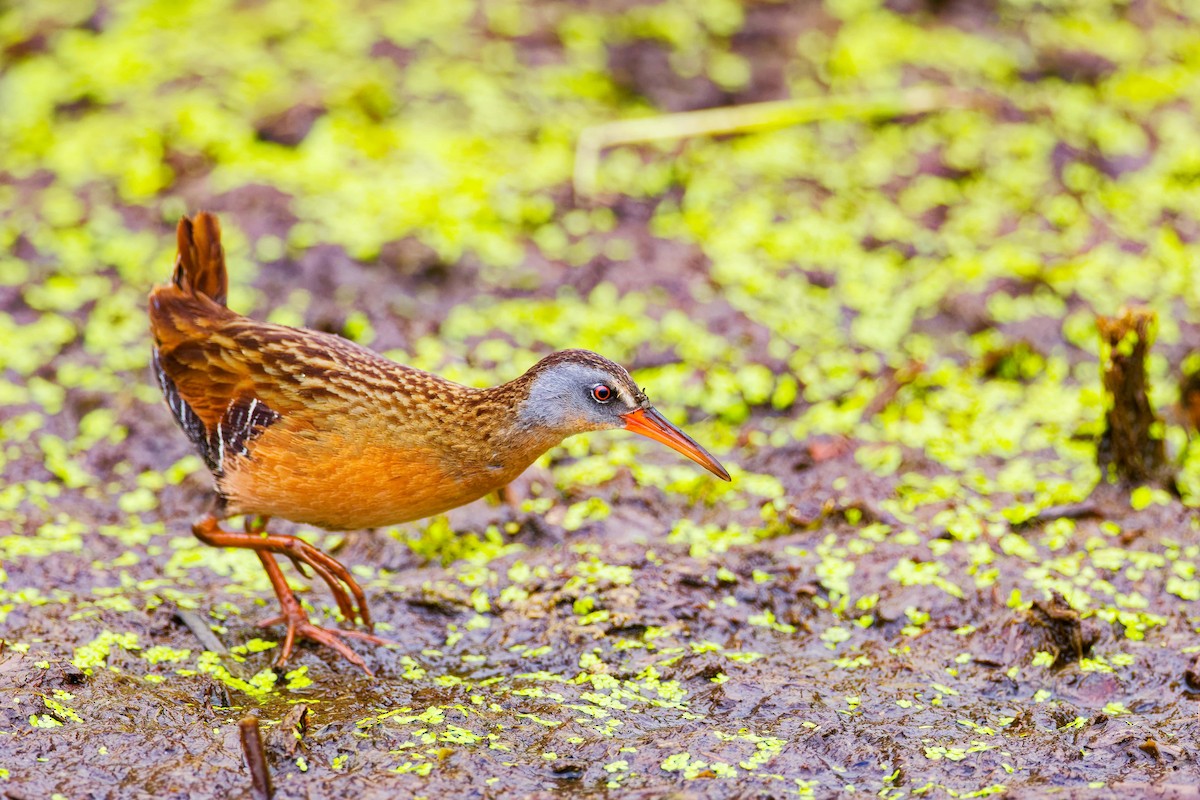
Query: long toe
[(351, 600), (329, 638), (301, 627)]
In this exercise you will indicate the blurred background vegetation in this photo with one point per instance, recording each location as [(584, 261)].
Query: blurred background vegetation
[(901, 271), (1061, 158)]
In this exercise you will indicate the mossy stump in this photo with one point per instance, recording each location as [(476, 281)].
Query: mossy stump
[(1131, 448)]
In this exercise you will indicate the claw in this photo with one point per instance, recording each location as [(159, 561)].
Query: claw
[(339, 580), (300, 566), (299, 626), (349, 596)]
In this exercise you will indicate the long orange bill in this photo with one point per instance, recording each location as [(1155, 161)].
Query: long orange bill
[(648, 422)]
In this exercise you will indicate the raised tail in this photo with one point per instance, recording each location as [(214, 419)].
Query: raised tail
[(200, 263), (185, 315)]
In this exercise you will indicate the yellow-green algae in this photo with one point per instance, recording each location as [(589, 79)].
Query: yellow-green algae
[(840, 244)]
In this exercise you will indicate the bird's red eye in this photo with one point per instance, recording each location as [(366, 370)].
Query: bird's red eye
[(601, 393)]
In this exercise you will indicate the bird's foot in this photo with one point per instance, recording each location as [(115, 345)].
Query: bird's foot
[(299, 626), (339, 580), (351, 601)]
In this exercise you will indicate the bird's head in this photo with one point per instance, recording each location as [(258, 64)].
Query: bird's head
[(573, 391)]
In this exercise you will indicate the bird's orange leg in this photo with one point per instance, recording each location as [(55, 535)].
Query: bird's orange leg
[(337, 577), (299, 625), (327, 569)]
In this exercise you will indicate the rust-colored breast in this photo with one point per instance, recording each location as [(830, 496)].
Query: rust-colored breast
[(353, 475)]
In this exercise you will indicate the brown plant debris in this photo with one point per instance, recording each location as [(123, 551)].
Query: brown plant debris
[(1131, 448), (256, 759), (1060, 629), (1189, 401)]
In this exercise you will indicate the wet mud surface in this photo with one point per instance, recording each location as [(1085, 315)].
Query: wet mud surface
[(919, 583)]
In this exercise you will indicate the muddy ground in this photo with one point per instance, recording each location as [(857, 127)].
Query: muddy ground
[(919, 583)]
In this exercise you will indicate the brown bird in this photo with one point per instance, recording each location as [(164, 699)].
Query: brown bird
[(315, 429)]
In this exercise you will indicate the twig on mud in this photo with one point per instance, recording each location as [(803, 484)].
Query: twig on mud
[(256, 759), (209, 641), (748, 118), (201, 631), (1082, 510)]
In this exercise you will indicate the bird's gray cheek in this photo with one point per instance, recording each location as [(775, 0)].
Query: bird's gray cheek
[(537, 415), (605, 417)]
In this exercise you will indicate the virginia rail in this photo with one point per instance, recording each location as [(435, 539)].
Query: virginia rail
[(315, 429)]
